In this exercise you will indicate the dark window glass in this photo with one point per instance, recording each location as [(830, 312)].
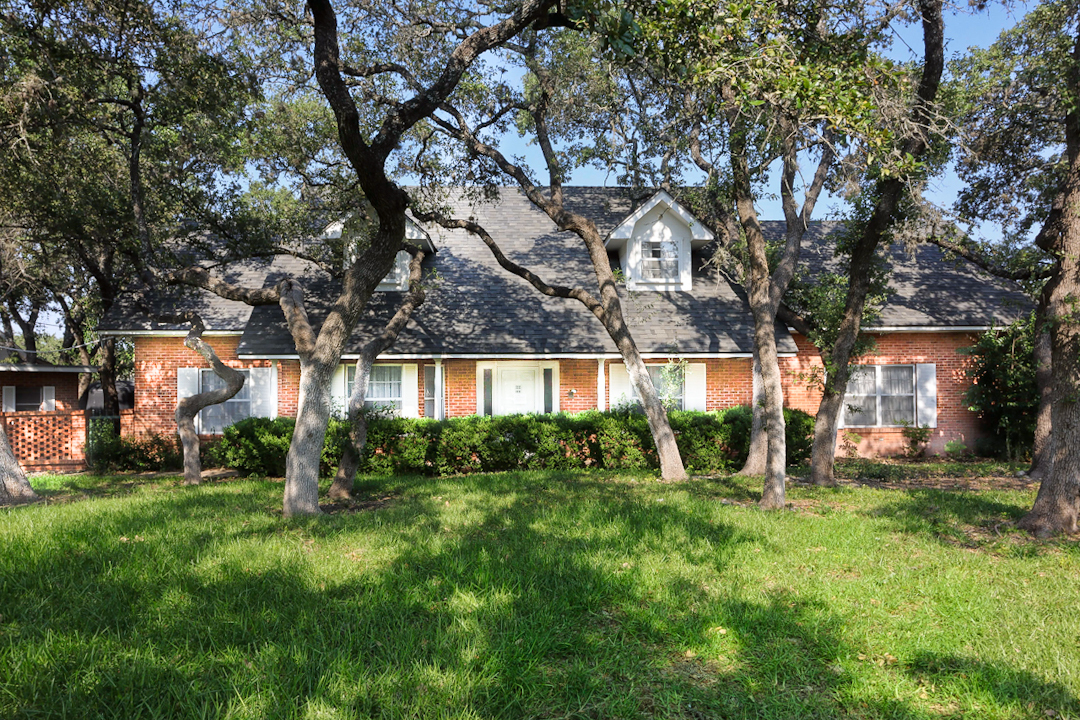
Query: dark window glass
[(487, 392), (549, 390)]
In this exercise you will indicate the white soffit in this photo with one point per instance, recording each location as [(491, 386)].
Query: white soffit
[(413, 233), (699, 234)]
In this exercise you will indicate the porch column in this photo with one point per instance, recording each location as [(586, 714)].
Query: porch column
[(601, 394), (440, 399)]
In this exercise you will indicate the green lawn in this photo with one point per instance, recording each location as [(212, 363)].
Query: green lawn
[(546, 595)]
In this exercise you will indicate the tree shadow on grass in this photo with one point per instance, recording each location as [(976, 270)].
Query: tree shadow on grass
[(521, 598), (964, 519)]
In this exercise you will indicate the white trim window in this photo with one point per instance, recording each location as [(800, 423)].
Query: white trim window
[(212, 420), (660, 260), (669, 382), (890, 396), (29, 398), (384, 388)]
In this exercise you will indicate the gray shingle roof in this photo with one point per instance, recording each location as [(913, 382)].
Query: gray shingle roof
[(477, 308), (926, 289)]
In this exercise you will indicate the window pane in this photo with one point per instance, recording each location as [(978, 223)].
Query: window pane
[(215, 418), (429, 391), (898, 409), (862, 381), (384, 387), (897, 380), (660, 260), (860, 410), (350, 380), (27, 399)]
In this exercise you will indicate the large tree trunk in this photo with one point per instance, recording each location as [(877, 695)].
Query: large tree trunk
[(759, 439), (14, 487), (305, 452), (187, 408), (772, 496), (1042, 453), (823, 454), (1057, 505)]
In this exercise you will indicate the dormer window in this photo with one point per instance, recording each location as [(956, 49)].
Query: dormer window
[(660, 260), (398, 277), (655, 243)]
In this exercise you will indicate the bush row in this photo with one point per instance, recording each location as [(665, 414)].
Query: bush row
[(108, 452), (709, 443)]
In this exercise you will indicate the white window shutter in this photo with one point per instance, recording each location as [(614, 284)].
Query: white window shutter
[(187, 382), (262, 392), (339, 401), (48, 398), (619, 384), (410, 390), (694, 387), (926, 398), (9, 398)]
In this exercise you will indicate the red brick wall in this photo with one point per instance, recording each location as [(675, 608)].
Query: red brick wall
[(66, 384), (46, 440), (579, 376), (955, 421), (728, 383), (459, 384), (156, 361)]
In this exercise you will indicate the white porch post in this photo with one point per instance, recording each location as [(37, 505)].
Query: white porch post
[(440, 400), (601, 399)]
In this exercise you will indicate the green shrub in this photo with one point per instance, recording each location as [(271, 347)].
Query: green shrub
[(256, 446), (106, 452), (956, 448), (618, 440)]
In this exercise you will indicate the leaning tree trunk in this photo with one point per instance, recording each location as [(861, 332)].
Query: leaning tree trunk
[(759, 439), (14, 487), (1042, 453), (187, 408)]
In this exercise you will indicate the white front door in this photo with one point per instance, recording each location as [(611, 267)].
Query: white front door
[(517, 391)]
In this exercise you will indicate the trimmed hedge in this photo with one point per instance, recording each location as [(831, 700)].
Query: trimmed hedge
[(714, 442)]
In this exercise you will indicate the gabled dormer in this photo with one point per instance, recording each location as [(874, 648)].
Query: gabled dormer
[(398, 277), (654, 244)]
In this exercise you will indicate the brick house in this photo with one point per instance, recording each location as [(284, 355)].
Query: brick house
[(485, 342), (41, 415)]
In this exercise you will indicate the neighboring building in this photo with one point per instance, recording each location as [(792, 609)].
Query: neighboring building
[(41, 415), (486, 342)]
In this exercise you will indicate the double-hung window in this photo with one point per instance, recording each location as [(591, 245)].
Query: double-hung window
[(215, 418), (669, 383), (659, 260), (880, 396), (384, 387)]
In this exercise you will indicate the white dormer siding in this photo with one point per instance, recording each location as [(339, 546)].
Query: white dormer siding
[(655, 243), (398, 277)]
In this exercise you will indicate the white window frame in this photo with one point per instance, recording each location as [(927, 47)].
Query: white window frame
[(396, 403), (655, 370), (672, 255), (879, 393), (200, 421)]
